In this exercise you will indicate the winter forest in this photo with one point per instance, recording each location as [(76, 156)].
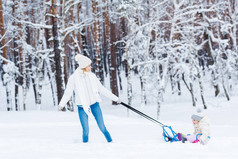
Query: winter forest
[(167, 45)]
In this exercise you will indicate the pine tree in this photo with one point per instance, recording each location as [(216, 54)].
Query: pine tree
[(57, 51)]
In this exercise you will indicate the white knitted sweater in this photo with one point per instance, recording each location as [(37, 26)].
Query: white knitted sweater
[(87, 88)]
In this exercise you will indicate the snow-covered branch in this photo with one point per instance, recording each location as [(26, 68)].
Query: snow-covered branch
[(150, 62), (69, 4), (77, 26), (34, 25)]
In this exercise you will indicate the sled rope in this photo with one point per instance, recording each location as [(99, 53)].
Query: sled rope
[(166, 135), (143, 115)]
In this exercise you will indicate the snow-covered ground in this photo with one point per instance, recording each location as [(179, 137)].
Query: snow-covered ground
[(50, 134)]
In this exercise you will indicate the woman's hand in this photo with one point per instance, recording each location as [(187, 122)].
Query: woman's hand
[(60, 108), (118, 101)]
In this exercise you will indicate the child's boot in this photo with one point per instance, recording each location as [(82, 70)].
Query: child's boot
[(184, 139), (180, 136)]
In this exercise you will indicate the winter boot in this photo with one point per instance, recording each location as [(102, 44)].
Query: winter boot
[(181, 137), (184, 139)]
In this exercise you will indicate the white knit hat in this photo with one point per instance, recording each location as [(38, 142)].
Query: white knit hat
[(83, 61)]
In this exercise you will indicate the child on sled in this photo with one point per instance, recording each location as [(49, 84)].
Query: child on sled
[(201, 130)]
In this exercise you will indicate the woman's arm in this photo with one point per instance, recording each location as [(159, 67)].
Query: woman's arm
[(67, 93), (105, 91)]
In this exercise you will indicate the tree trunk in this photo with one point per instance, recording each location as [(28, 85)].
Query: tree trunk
[(201, 88), (57, 51), (16, 76), (52, 79), (2, 30), (113, 62), (190, 90), (129, 86), (9, 101), (162, 78), (40, 81), (67, 50), (84, 42), (143, 92), (31, 60), (6, 83), (24, 65), (225, 90), (160, 89), (107, 38), (80, 45), (96, 37), (49, 67), (24, 86), (101, 38), (122, 46), (4, 51), (16, 61)]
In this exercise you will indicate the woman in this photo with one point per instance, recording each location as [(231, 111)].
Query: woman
[(87, 87)]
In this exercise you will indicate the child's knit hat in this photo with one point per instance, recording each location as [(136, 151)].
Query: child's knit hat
[(83, 61), (197, 116)]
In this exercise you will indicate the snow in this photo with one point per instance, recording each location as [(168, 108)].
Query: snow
[(49, 134)]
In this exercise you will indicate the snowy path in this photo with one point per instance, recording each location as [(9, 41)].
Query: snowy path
[(57, 135)]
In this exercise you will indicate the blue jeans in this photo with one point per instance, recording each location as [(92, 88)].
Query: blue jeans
[(97, 113)]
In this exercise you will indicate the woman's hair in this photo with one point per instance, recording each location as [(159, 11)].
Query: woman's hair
[(84, 70)]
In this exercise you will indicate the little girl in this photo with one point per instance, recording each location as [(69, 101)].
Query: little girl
[(201, 130)]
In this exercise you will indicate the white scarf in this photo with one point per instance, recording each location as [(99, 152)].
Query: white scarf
[(87, 86)]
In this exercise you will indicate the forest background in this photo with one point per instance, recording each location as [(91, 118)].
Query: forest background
[(183, 45)]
